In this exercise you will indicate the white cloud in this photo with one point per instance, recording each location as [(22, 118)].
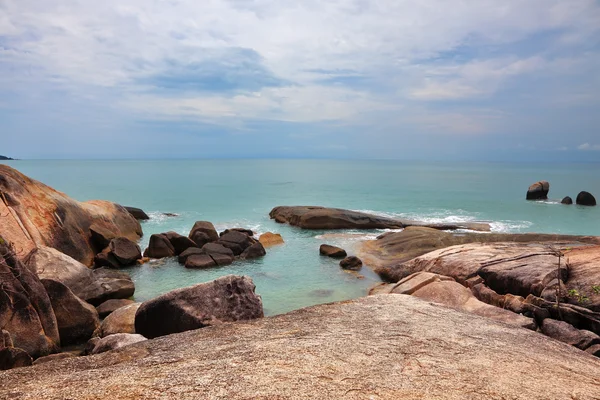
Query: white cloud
[(589, 147)]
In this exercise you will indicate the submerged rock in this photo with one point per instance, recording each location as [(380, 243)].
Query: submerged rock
[(332, 251), (538, 191), (352, 263), (585, 199), (229, 298)]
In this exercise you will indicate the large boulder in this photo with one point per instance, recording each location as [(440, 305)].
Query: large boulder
[(111, 305), (245, 231), (269, 239), (159, 247), (585, 199), (332, 251), (380, 347), (255, 250), (204, 227), (200, 261), (121, 320), (236, 241), (125, 251), (352, 263), (567, 200), (38, 215), (77, 320), (182, 258), (94, 286), (200, 238), (312, 217), (180, 243), (137, 213), (25, 309), (11, 357), (229, 298), (101, 235), (566, 333), (538, 191), (116, 341)]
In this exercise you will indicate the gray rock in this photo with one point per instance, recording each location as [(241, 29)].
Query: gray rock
[(116, 341), (121, 320), (137, 213), (332, 251)]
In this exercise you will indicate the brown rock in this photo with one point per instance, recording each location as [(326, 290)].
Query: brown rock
[(205, 227), (106, 259), (245, 231), (216, 248), (125, 251), (121, 320), (585, 199), (116, 341), (256, 250), (229, 298), (269, 239), (200, 261), (200, 238), (111, 305), (566, 333), (538, 191), (159, 247), (38, 215), (180, 243), (101, 235), (221, 259), (12, 357), (137, 213), (332, 251), (594, 350), (567, 200), (77, 320), (414, 282), (236, 241), (53, 357), (351, 263), (191, 251)]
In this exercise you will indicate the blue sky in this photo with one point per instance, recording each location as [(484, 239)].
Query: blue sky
[(433, 79)]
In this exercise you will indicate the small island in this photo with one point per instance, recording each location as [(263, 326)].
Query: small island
[(5, 158)]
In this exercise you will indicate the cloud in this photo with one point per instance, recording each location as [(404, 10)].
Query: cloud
[(589, 147)]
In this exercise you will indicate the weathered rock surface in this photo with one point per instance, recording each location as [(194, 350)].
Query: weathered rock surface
[(380, 347), (397, 247), (53, 357), (200, 238), (94, 286), (566, 333), (229, 298), (38, 215), (567, 200), (180, 243), (585, 199), (245, 231), (111, 305), (269, 239), (25, 308), (313, 217), (538, 191), (76, 319), (159, 247), (256, 250), (216, 248), (237, 242), (137, 213), (11, 357), (125, 251), (584, 277), (121, 320), (332, 251), (116, 341), (182, 258), (352, 263), (200, 261), (205, 227)]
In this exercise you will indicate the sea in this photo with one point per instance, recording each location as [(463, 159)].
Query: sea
[(241, 192)]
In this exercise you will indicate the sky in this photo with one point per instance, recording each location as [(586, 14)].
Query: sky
[(514, 80)]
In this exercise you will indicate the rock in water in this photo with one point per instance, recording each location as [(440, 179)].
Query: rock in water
[(200, 261), (120, 321), (137, 213), (94, 286), (538, 191), (229, 298), (269, 239), (159, 247), (109, 306), (567, 200), (25, 308), (180, 243), (351, 263), (585, 199), (189, 252), (205, 227), (38, 215), (254, 251), (332, 251), (125, 251), (245, 231), (77, 320), (380, 347), (236, 241), (200, 238), (116, 341)]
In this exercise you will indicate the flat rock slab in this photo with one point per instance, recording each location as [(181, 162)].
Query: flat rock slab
[(377, 347), (314, 217)]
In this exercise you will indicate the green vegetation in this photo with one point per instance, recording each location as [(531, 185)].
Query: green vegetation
[(581, 298)]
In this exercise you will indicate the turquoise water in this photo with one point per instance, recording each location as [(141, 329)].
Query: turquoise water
[(240, 193)]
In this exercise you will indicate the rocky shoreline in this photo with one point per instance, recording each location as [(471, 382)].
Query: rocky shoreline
[(60, 264)]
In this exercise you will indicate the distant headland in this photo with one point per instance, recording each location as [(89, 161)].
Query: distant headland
[(5, 158)]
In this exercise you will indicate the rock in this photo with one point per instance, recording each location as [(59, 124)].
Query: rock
[(384, 347), (455, 295), (25, 308), (594, 350), (217, 248), (205, 227), (352, 263), (254, 251), (200, 261), (38, 215), (5, 339), (89, 346), (94, 286), (236, 241), (538, 191), (101, 235), (116, 341), (137, 213), (566, 333), (221, 259), (332, 251), (583, 286), (125, 251), (312, 217), (190, 251), (76, 319), (200, 238), (53, 357), (395, 248), (585, 199), (414, 282), (169, 214), (180, 243), (567, 200), (121, 320), (269, 239), (106, 259), (109, 306), (579, 317), (245, 231), (159, 247), (12, 357), (229, 298)]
